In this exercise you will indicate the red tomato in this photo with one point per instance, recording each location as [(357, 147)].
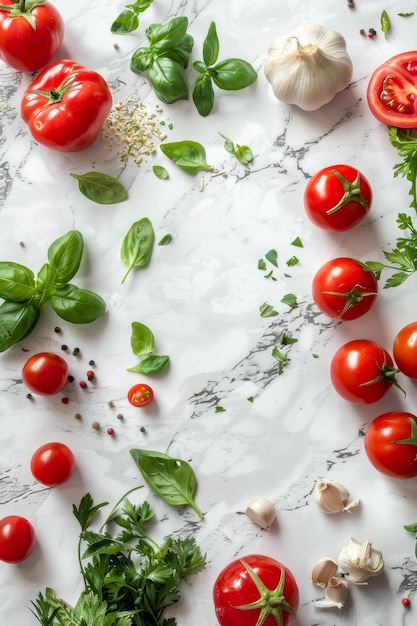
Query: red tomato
[(52, 464), (342, 288), (405, 350), (392, 91), (362, 371), (391, 444), (17, 539), (30, 33), (255, 579), (45, 373), (66, 106), (140, 395), (337, 197)]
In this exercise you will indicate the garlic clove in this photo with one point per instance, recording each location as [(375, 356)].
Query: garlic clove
[(336, 594), (361, 561), (332, 497), (262, 512), (323, 570)]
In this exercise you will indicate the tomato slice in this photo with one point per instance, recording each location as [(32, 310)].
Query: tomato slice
[(392, 91), (140, 395)]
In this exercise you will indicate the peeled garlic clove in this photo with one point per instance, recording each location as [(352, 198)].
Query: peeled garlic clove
[(332, 497), (262, 512), (323, 570), (336, 594), (361, 561)]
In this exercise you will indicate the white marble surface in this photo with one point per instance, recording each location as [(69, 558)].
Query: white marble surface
[(200, 296)]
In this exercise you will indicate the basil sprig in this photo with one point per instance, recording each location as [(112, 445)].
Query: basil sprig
[(128, 20), (190, 156), (230, 74), (24, 294), (142, 342), (100, 188), (137, 245), (166, 59)]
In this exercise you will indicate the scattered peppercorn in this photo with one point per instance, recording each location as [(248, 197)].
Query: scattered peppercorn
[(371, 33), (64, 347), (120, 416), (362, 31), (405, 602), (78, 416), (76, 351), (22, 244), (91, 362), (57, 329), (29, 396), (351, 4), (110, 403), (142, 429), (82, 384), (64, 400), (70, 378), (96, 425), (90, 374), (110, 431)]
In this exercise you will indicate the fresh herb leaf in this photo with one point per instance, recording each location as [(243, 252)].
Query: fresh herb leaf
[(160, 172), (128, 20), (290, 299), (190, 156), (406, 144), (250, 399), (406, 14), (293, 261), (272, 257), (137, 245), (151, 364), (165, 240), (100, 188), (261, 265), (385, 23), (211, 46), (266, 310), (281, 358), (286, 340), (219, 409), (271, 276), (75, 305), (297, 242), (172, 479), (142, 340), (242, 153)]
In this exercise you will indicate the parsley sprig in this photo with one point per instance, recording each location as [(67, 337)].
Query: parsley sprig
[(129, 579)]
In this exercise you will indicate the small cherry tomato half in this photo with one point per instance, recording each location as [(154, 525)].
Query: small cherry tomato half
[(391, 444), (45, 373), (405, 350), (31, 31), (337, 197), (343, 289), (17, 539), (255, 579), (140, 395), (392, 89), (52, 464), (362, 371)]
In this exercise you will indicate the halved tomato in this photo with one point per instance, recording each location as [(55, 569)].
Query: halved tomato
[(392, 91)]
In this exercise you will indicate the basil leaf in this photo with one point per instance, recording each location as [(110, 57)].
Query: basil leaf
[(165, 36), (160, 172), (233, 74), (17, 282), (290, 299), (266, 310), (172, 479), (211, 46), (79, 306), (167, 79), (243, 154), (137, 245), (272, 257), (385, 23), (141, 339), (203, 94), (17, 320), (151, 364), (100, 188), (190, 156), (126, 22), (165, 240), (141, 60), (65, 254), (45, 284)]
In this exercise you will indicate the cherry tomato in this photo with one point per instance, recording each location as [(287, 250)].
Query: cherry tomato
[(391, 444), (391, 91), (260, 579), (362, 371), (140, 395), (342, 288), (45, 373), (52, 464), (17, 539), (31, 31), (337, 197), (66, 106), (405, 350)]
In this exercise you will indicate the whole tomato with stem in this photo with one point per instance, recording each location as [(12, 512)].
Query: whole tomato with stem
[(405, 350), (66, 106), (45, 373), (391, 444), (255, 590), (392, 89), (31, 31), (17, 538), (337, 197), (362, 371), (342, 288)]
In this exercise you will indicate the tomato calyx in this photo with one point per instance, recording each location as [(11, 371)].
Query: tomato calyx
[(412, 440), (270, 602), (56, 94), (387, 374), (22, 8), (352, 192), (353, 297)]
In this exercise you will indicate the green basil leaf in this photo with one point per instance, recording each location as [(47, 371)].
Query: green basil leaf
[(151, 364), (137, 245), (141, 60), (229, 146), (181, 53), (203, 94), (141, 339), (160, 172), (243, 154), (266, 310), (45, 284), (385, 23), (200, 67), (290, 299), (100, 188), (65, 254), (79, 306), (17, 282), (190, 156), (233, 74), (165, 240), (165, 36), (17, 320), (272, 257), (126, 22), (172, 479), (211, 46), (167, 79)]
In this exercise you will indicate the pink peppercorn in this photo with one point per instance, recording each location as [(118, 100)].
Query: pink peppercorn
[(110, 431), (405, 602), (83, 384), (64, 400)]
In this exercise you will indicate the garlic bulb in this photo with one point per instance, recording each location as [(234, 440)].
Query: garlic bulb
[(361, 561), (262, 512), (337, 590), (332, 497), (308, 66), (323, 570)]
